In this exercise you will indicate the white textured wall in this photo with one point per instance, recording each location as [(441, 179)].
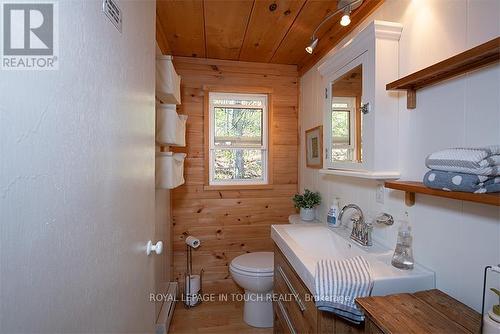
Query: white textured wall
[(77, 179), (455, 239)]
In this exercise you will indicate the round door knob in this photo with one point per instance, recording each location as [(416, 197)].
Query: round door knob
[(154, 248)]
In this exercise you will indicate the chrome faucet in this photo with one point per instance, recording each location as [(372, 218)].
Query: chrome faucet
[(361, 230)]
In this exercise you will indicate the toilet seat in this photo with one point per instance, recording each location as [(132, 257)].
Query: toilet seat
[(258, 264), (250, 273)]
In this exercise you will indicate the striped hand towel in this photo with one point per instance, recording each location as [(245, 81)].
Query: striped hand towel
[(478, 161), (339, 283)]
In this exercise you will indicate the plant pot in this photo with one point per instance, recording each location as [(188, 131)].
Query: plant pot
[(307, 214)]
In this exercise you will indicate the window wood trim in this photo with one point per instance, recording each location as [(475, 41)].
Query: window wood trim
[(237, 89), (238, 187), (207, 89), (357, 132)]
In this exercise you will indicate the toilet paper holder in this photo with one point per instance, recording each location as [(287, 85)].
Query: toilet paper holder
[(192, 295)]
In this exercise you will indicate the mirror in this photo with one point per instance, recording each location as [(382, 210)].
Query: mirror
[(346, 117)]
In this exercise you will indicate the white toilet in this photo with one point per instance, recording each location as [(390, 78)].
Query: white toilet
[(254, 273)]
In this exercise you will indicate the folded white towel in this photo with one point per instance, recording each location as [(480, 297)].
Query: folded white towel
[(339, 283), (478, 161)]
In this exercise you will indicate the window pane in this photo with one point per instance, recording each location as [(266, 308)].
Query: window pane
[(342, 154), (238, 102), (238, 126), (341, 127), (342, 105), (237, 164)]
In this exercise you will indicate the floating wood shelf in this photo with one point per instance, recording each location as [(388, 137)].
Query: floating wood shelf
[(479, 56), (411, 188)]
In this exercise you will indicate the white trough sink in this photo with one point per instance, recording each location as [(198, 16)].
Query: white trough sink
[(304, 245)]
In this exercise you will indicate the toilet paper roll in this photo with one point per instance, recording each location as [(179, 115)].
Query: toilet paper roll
[(193, 242), (192, 289), (490, 326)]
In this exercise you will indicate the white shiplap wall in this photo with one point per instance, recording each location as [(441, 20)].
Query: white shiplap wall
[(453, 238)]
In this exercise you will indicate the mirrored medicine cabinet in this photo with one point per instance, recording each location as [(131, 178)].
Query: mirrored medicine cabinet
[(360, 117)]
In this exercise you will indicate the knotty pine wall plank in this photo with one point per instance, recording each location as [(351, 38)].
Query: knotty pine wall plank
[(234, 221)]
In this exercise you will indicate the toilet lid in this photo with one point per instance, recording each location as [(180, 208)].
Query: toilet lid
[(259, 262)]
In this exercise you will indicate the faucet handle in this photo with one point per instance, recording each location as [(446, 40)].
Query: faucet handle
[(356, 218), (384, 218)]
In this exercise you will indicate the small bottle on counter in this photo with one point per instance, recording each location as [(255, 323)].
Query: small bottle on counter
[(403, 254), (333, 213)]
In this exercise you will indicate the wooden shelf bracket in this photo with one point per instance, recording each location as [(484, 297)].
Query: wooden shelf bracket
[(409, 198), (411, 99)]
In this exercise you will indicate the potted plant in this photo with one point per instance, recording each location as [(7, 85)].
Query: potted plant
[(306, 203)]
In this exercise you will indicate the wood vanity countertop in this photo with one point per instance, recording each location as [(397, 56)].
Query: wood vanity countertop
[(430, 311)]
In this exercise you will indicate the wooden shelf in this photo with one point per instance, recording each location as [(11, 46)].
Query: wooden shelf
[(479, 56), (411, 188)]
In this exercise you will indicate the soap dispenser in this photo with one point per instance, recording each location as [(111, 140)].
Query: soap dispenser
[(403, 254), (333, 213)]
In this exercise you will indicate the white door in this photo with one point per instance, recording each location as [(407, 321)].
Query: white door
[(77, 193), (163, 230)]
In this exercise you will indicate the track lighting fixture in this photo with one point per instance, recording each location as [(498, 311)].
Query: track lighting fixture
[(346, 18), (345, 6), (310, 47)]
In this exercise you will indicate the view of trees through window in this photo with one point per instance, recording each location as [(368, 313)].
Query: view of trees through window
[(238, 140), (341, 131)]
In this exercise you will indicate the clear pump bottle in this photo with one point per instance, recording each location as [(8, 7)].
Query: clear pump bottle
[(403, 254), (333, 213)]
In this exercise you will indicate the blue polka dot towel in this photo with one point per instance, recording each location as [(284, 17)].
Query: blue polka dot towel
[(453, 181)]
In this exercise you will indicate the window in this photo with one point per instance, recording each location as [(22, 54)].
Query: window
[(238, 139), (343, 132)]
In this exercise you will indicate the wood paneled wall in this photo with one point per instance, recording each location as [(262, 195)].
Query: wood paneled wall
[(232, 222)]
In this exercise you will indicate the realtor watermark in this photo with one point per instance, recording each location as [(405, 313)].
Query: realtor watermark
[(232, 297), (224, 297), (30, 35)]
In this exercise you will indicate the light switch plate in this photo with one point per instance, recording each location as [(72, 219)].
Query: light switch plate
[(380, 194)]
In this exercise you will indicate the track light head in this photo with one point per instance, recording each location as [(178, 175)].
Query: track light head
[(346, 18), (310, 48), (343, 6)]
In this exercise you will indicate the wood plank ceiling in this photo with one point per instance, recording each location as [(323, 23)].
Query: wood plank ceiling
[(269, 31)]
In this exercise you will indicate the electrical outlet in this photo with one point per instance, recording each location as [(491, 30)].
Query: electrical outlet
[(379, 196)]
